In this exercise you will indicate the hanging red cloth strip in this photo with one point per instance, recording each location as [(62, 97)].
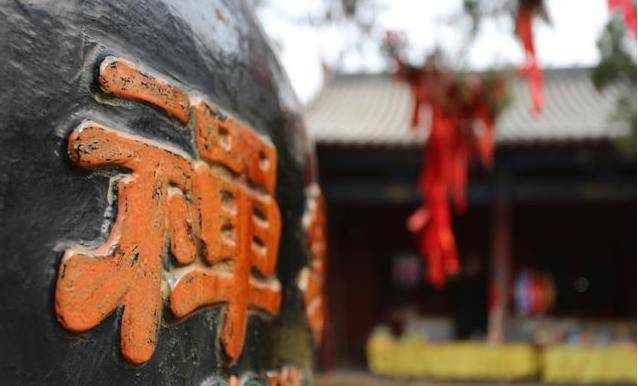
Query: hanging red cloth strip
[(433, 220), (463, 109), (530, 68), (485, 140), (462, 123), (627, 9)]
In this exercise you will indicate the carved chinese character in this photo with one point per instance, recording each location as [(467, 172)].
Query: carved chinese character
[(122, 79), (311, 279), (126, 270), (239, 224), (217, 214)]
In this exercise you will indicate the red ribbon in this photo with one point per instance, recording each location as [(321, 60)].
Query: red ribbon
[(463, 113), (445, 170), (452, 141), (530, 68)]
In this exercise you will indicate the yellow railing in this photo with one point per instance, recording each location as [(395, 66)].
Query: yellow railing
[(416, 358), (612, 364)]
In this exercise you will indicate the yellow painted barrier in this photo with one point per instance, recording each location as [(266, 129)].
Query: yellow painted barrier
[(416, 358), (582, 364), (480, 361), (450, 361)]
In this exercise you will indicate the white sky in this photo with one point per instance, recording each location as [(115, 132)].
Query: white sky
[(570, 39)]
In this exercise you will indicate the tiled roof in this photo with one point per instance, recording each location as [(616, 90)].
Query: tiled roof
[(375, 109)]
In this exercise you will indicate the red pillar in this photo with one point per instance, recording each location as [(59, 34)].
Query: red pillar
[(501, 270)]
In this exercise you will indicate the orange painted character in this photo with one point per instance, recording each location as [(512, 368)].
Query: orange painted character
[(127, 269), (311, 279), (217, 214), (239, 225)]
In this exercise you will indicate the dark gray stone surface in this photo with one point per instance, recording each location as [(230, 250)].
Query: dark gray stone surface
[(48, 56)]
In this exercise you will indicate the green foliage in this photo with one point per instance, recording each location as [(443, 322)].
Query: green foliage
[(480, 11), (616, 62), (500, 96), (618, 66)]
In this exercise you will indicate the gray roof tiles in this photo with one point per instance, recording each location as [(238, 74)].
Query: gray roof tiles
[(376, 109)]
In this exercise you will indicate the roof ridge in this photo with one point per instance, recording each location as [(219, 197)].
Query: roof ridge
[(355, 110)]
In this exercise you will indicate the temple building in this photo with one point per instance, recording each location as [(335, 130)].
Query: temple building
[(559, 202)]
